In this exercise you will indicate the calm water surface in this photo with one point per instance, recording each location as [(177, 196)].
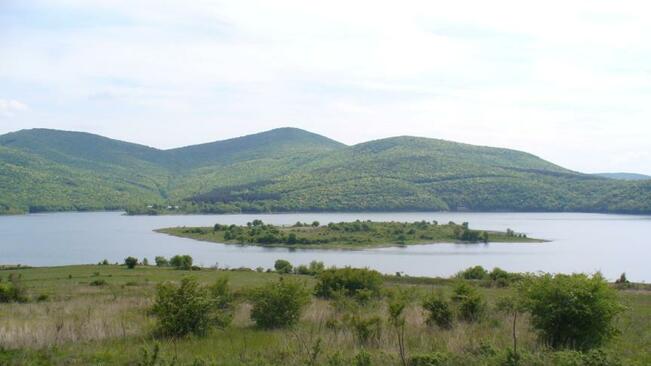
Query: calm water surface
[(579, 242)]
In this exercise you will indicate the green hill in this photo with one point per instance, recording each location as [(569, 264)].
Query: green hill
[(623, 176), (289, 169)]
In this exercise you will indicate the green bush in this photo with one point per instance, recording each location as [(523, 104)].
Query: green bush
[(12, 291), (313, 269), (363, 358), (575, 311), (283, 266), (594, 357), (99, 282), (188, 308), (222, 298), (181, 262), (348, 280), (161, 261), (278, 304), (473, 273), (302, 270), (366, 329), (130, 262), (438, 311), (428, 359), (470, 303)]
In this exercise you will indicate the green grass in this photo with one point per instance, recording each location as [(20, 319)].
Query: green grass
[(81, 324), (345, 235)]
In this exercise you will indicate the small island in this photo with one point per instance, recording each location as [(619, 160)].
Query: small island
[(346, 235)]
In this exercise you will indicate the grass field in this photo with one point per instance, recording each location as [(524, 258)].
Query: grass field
[(76, 323)]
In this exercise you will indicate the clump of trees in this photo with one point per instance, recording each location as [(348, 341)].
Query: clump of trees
[(314, 268), (161, 261), (439, 312), (571, 311), (469, 301), (131, 262), (497, 277), (350, 281), (12, 290), (189, 308), (278, 304), (283, 266), (181, 262)]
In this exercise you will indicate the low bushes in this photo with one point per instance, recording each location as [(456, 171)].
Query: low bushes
[(497, 277), (575, 311), (131, 262), (98, 282), (188, 308), (161, 261), (470, 303), (428, 359), (181, 262), (278, 304), (348, 280), (12, 291), (438, 311), (283, 266)]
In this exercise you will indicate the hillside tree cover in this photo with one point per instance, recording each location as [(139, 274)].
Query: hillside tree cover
[(289, 169)]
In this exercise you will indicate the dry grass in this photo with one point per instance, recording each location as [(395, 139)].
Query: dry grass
[(82, 319), (85, 322)]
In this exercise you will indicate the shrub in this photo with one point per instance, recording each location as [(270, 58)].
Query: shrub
[(130, 262), (363, 358), (473, 273), (439, 311), (428, 359), (278, 304), (222, 298), (316, 267), (349, 280), (12, 291), (591, 358), (283, 266), (575, 311), (181, 262), (161, 261), (366, 329), (470, 303), (188, 308)]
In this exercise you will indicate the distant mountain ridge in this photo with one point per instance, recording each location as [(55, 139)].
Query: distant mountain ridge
[(623, 176), (289, 169)]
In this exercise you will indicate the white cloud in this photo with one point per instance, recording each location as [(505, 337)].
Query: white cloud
[(566, 80), (9, 107)]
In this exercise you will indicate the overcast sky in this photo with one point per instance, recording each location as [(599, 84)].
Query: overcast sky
[(569, 81)]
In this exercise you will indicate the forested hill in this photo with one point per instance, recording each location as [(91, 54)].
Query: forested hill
[(289, 169), (624, 176)]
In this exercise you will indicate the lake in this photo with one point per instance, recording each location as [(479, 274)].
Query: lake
[(580, 242)]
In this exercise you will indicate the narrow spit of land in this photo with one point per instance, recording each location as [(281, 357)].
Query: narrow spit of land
[(346, 235)]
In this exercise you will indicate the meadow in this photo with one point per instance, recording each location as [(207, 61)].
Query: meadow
[(100, 314)]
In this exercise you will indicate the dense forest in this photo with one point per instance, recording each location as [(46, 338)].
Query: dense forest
[(289, 169)]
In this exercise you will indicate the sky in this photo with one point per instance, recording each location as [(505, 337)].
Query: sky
[(569, 81)]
